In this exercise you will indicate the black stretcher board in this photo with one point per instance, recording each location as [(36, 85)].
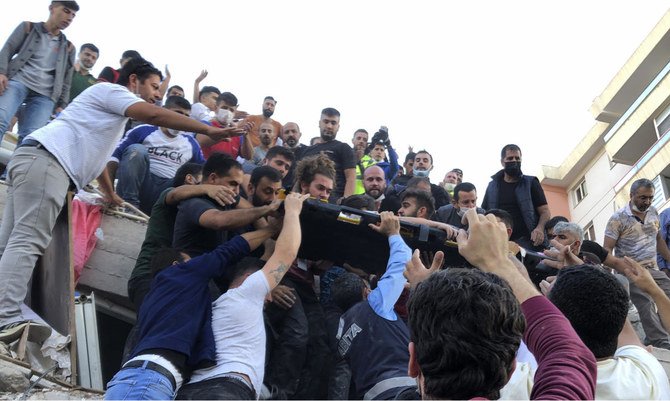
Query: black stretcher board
[(341, 234)]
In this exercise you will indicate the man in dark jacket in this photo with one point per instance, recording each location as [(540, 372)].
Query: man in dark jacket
[(520, 195)]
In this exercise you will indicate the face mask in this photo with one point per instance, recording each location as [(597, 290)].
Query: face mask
[(173, 132), (420, 173), (462, 211), (636, 209), (449, 187), (513, 169), (224, 116)]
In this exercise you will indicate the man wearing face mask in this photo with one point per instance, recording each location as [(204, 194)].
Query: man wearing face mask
[(226, 106), (520, 195), (423, 165), (465, 198), (149, 157)]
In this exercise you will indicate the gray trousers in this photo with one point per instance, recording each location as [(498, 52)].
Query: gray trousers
[(36, 193), (653, 329)]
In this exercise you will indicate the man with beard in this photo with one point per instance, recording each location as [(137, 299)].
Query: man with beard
[(465, 198), (36, 65), (267, 136), (520, 195), (291, 134), (360, 143), (374, 182), (82, 77), (264, 186), (633, 231), (269, 104), (423, 165), (339, 152)]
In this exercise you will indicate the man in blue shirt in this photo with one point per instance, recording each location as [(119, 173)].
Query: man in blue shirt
[(378, 372), (175, 323)]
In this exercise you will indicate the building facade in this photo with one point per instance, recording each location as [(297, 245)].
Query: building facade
[(629, 140)]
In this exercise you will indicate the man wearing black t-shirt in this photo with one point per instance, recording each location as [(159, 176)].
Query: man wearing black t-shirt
[(201, 223), (338, 152), (520, 195)]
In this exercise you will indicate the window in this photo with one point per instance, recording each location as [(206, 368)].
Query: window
[(590, 232), (580, 191), (660, 191), (663, 122)]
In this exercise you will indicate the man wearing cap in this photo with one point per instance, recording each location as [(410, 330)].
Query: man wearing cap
[(36, 65)]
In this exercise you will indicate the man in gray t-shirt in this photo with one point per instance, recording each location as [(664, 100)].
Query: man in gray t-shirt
[(36, 65)]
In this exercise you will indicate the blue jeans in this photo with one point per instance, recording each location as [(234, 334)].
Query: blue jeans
[(35, 115), (137, 185), (139, 384)]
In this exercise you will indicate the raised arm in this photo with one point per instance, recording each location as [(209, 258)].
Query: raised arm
[(154, 115), (641, 277), (566, 367), (286, 249), (383, 298)]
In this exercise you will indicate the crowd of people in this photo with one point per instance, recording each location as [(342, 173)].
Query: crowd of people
[(227, 310)]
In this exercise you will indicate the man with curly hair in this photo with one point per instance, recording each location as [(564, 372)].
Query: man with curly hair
[(295, 367)]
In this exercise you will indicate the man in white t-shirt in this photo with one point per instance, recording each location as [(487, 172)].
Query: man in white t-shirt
[(237, 320), (66, 154), (148, 158), (596, 304)]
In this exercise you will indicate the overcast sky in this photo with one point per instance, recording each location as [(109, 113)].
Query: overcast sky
[(461, 79)]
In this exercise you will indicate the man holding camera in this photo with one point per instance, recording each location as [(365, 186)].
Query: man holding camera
[(375, 154)]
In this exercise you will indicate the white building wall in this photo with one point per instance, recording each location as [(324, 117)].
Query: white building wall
[(598, 205)]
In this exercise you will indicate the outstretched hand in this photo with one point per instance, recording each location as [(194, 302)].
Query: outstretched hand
[(389, 225), (293, 203), (486, 244), (415, 271), (639, 276), (563, 255)]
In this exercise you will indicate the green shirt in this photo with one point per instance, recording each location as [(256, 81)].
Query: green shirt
[(159, 234), (80, 83)]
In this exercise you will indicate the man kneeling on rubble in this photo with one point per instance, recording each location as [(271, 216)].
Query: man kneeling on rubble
[(175, 322)]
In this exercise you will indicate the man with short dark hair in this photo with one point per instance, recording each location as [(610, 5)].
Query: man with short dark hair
[(180, 328), (423, 165), (264, 186), (407, 169), (277, 157), (269, 104), (416, 203), (36, 65), (339, 152), (175, 90), (522, 196), (225, 109), (596, 304), (149, 156), (202, 223), (238, 324), (82, 77), (633, 231), (465, 198), (111, 74), (456, 355), (205, 107), (68, 153)]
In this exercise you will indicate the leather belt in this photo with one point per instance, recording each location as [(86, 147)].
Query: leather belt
[(152, 366)]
